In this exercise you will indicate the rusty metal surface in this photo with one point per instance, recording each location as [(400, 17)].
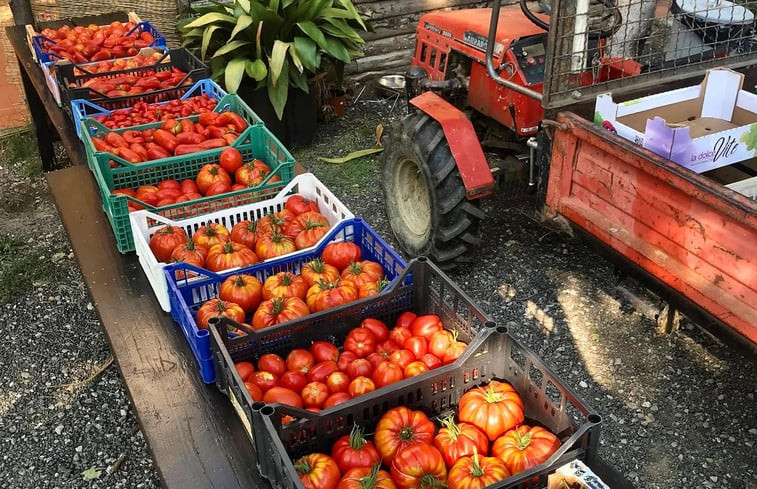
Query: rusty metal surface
[(694, 235), (463, 143), (669, 39)]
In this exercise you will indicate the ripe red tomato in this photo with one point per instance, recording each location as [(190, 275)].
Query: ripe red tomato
[(376, 358), (402, 358), (314, 394), (283, 395), (363, 272), (431, 361), (323, 295), (399, 335), (270, 362), (354, 451), (338, 382), (426, 325), (336, 398), (400, 428), (210, 174), (359, 368), (440, 342), (300, 360), (315, 270), (229, 255), (244, 290), (419, 466), (418, 345), (323, 351), (211, 234), (244, 232), (321, 371), (264, 380), (245, 370), (367, 478), (361, 385), (453, 353), (378, 328), (415, 368), (273, 245), (387, 373), (317, 471), (387, 348), (345, 358), (231, 160), (284, 284), (495, 408), (189, 186), (165, 239), (300, 204), (525, 447), (293, 380), (216, 307), (405, 319), (341, 253), (255, 393), (458, 440), (360, 341), (277, 311)]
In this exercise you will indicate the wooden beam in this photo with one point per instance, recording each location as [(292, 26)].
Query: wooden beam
[(390, 45), (391, 8), (380, 61)]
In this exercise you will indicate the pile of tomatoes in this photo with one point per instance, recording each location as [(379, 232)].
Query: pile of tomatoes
[(120, 64), (81, 44), (338, 277), (487, 444), (135, 84), (174, 138), (299, 225), (212, 179), (372, 356), (144, 113)]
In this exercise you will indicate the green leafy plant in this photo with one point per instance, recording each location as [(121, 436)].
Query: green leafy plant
[(276, 43)]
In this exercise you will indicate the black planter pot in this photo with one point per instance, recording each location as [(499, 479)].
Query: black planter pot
[(300, 121)]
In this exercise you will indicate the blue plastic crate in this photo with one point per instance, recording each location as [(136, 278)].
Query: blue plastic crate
[(82, 109), (188, 294), (46, 57)]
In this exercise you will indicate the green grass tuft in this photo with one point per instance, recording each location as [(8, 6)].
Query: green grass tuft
[(21, 267)]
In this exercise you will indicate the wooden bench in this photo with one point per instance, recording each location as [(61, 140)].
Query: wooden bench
[(194, 435)]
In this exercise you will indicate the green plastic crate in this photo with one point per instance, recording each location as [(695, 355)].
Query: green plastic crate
[(91, 128), (257, 142)]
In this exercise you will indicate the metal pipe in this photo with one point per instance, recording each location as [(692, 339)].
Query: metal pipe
[(533, 145), (490, 62), (580, 33)]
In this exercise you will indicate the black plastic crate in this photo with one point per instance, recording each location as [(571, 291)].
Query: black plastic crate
[(491, 354), (180, 58)]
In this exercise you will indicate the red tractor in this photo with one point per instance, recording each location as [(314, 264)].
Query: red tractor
[(475, 83)]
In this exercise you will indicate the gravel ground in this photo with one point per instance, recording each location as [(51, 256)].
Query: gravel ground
[(678, 411)]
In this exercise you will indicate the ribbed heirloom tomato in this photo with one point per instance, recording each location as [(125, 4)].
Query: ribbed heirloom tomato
[(457, 440), (244, 232), (244, 290), (354, 451), (341, 253), (189, 253), (369, 289), (476, 472), (362, 272), (415, 368), (324, 295), (367, 478), (273, 245), (278, 310), (300, 204), (360, 341), (284, 284), (217, 307), (316, 270), (419, 467), (165, 240), (525, 447), (399, 428), (211, 234), (210, 174), (495, 408), (318, 471), (361, 385), (229, 255), (387, 373)]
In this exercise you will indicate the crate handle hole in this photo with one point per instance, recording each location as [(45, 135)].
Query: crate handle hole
[(266, 411), (594, 418), (491, 325)]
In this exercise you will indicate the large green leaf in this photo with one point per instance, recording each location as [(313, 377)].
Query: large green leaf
[(210, 18), (196, 32), (300, 80), (242, 23), (314, 33), (307, 51), (273, 5), (287, 3), (256, 69), (295, 58), (278, 94), (227, 48), (206, 40), (217, 67), (234, 73), (277, 60), (245, 4), (337, 50), (346, 30), (347, 4)]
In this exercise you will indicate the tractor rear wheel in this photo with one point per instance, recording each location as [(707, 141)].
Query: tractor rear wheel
[(424, 194)]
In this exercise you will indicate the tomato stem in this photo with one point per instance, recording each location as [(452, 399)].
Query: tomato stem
[(357, 440), (523, 440)]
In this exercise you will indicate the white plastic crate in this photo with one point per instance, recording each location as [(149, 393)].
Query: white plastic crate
[(145, 223)]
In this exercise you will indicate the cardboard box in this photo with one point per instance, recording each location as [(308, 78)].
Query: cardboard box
[(575, 475), (701, 127)]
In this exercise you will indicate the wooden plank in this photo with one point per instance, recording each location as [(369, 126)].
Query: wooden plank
[(383, 9), (397, 60), (393, 44), (192, 430), (384, 32)]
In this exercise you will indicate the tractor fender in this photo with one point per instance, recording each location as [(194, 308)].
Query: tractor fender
[(463, 144)]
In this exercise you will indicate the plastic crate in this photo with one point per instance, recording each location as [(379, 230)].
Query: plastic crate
[(180, 58), (43, 56), (257, 142), (188, 294), (84, 109), (145, 223), (492, 355), (49, 70)]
